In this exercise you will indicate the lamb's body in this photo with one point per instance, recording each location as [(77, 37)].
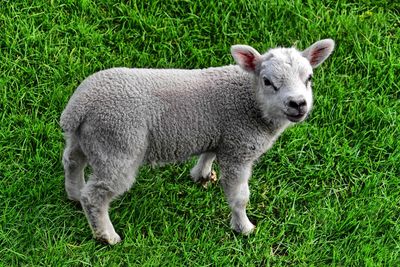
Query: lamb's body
[(119, 119), (139, 109)]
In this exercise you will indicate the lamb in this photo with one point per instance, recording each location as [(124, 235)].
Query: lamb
[(119, 119)]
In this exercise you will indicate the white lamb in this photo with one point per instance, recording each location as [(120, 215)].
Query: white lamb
[(119, 119)]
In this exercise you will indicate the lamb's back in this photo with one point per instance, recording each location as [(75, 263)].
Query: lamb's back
[(122, 90)]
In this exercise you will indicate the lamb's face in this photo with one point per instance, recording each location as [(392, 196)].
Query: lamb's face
[(283, 77), (284, 85)]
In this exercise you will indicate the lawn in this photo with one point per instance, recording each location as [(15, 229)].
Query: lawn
[(326, 194)]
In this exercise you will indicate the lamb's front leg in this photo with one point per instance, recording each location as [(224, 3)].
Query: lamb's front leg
[(234, 180)]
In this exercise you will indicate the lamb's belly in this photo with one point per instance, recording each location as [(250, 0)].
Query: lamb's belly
[(175, 150)]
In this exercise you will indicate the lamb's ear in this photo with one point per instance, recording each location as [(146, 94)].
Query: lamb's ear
[(319, 51), (246, 57)]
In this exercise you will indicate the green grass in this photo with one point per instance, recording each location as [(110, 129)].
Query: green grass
[(327, 193)]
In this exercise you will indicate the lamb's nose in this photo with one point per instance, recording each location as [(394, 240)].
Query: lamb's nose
[(299, 104)]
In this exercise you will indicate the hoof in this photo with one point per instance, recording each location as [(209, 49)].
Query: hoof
[(109, 239), (245, 228), (249, 230), (212, 177)]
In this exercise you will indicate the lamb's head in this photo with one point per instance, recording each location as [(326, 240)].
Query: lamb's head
[(283, 77)]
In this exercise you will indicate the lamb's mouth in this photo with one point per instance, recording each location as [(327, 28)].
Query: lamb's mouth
[(295, 118)]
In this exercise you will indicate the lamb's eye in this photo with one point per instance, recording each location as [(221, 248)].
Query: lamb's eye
[(267, 82), (309, 79)]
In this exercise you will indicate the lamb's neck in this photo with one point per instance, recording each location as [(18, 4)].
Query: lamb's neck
[(277, 126), (240, 89)]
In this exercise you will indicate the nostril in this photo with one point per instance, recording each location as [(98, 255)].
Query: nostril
[(302, 103), (293, 104), (297, 104)]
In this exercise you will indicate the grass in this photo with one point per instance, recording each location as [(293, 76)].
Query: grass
[(327, 193)]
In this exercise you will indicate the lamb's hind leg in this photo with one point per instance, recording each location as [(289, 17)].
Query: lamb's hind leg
[(74, 162), (105, 184), (202, 172)]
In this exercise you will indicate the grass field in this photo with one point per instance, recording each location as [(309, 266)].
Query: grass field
[(327, 193)]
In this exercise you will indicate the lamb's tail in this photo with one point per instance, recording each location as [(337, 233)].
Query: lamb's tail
[(72, 116)]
